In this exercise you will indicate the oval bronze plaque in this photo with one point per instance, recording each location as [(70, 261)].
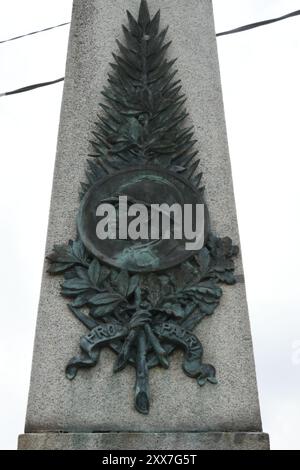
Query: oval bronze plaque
[(140, 185)]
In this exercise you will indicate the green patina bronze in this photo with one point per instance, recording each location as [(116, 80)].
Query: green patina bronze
[(142, 299), (149, 185)]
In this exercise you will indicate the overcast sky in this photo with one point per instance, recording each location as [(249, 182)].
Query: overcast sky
[(260, 72)]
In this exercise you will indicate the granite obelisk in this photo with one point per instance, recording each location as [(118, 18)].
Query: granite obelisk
[(95, 411)]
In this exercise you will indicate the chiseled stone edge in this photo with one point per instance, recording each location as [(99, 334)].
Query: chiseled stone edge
[(145, 441)]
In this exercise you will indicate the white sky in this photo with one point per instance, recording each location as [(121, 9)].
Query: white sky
[(260, 72)]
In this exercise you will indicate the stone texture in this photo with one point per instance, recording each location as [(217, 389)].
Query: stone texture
[(145, 441), (98, 400)]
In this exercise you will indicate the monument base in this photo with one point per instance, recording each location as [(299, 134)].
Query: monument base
[(145, 441)]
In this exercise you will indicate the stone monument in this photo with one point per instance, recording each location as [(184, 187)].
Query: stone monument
[(157, 141)]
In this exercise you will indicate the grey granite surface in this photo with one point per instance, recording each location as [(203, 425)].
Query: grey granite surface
[(145, 441), (98, 400)]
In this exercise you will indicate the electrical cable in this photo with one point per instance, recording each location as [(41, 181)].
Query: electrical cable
[(34, 32), (31, 87), (223, 33), (258, 24)]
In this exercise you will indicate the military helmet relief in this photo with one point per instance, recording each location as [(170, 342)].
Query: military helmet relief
[(142, 299)]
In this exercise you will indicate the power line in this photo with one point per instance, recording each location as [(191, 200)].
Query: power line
[(223, 33), (34, 32), (31, 87), (258, 24)]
